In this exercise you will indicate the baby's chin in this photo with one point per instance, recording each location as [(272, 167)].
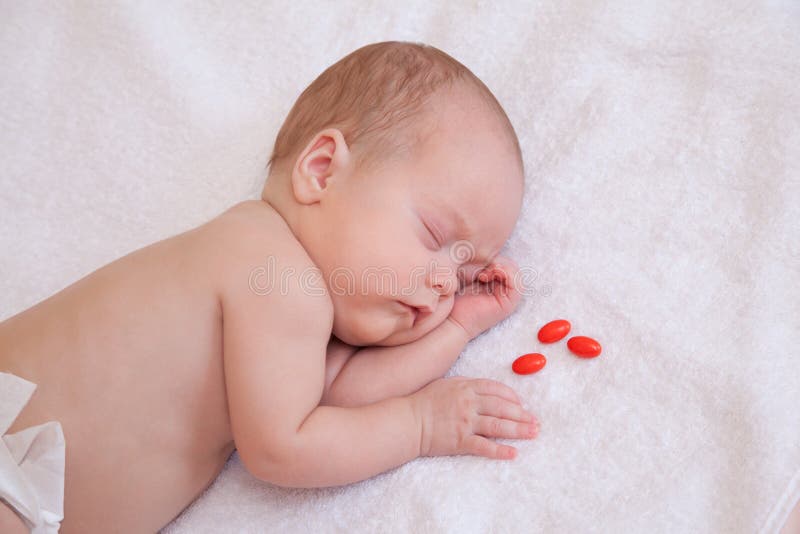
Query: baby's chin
[(401, 337), (372, 331)]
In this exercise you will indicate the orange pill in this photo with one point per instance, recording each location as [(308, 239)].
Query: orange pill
[(585, 347), (529, 363), (554, 331)]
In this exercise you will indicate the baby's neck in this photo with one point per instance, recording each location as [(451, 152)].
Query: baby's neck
[(277, 195)]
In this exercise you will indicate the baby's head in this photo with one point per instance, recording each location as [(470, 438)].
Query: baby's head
[(402, 177)]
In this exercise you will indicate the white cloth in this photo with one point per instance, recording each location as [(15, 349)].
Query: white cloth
[(661, 214), (31, 461)]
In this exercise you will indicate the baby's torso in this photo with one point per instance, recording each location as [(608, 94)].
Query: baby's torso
[(129, 361)]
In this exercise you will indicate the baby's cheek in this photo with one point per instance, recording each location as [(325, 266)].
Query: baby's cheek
[(442, 311), (429, 323)]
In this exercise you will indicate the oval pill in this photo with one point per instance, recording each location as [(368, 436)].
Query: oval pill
[(554, 331), (585, 347), (529, 363)]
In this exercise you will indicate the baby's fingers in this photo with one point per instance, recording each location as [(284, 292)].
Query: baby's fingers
[(480, 446), (502, 269), (497, 407), (486, 386), (494, 427)]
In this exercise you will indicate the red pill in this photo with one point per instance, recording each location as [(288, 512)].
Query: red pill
[(529, 363), (554, 331), (585, 347)]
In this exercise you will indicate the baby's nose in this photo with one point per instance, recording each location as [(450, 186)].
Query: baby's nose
[(444, 285), (440, 289)]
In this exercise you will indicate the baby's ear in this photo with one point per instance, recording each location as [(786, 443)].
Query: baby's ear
[(325, 157)]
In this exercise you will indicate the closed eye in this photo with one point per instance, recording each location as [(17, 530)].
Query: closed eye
[(437, 243)]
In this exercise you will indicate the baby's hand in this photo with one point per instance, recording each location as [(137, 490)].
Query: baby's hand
[(459, 414), (489, 300)]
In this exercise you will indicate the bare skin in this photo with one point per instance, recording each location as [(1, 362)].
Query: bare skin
[(161, 432), (792, 525), (130, 358), (130, 365), (137, 364)]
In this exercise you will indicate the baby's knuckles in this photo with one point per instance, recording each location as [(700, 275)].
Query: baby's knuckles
[(489, 300), (465, 407), (466, 400), (509, 300), (445, 421), (478, 313)]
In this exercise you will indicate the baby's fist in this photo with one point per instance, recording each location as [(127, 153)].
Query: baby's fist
[(487, 301)]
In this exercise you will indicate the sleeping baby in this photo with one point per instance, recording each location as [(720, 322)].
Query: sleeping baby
[(309, 329)]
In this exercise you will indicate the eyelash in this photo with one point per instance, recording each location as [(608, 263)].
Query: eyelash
[(433, 235)]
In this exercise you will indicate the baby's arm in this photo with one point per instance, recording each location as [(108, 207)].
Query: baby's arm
[(356, 378), (274, 360), (375, 373)]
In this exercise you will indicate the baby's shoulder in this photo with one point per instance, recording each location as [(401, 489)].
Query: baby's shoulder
[(252, 244), (253, 231), (252, 223)]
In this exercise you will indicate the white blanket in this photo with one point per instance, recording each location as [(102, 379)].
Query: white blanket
[(662, 146)]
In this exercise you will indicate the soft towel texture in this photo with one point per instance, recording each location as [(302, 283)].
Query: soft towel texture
[(661, 215)]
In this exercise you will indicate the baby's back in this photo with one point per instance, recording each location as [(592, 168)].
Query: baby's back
[(129, 361)]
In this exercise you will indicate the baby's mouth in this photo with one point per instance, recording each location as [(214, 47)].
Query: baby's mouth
[(418, 313), (413, 310)]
